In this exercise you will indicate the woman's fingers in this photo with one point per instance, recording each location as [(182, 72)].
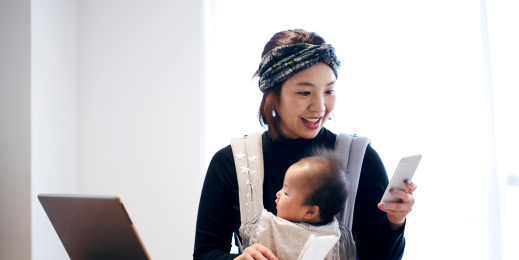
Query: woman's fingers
[(266, 252), (257, 252), (411, 186), (258, 256), (391, 207), (397, 211), (406, 204), (403, 195), (244, 256), (247, 257)]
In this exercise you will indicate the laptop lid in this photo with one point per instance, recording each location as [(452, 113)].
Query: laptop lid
[(93, 227)]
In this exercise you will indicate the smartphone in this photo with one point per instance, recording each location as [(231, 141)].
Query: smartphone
[(404, 171)]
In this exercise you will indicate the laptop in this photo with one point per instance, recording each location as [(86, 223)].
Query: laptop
[(93, 227)]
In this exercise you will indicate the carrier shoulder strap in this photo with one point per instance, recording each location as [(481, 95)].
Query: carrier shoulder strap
[(353, 148), (248, 160)]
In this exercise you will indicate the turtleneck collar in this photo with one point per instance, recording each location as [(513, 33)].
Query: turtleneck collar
[(295, 147)]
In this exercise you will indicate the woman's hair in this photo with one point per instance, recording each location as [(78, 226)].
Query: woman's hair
[(328, 185), (271, 96)]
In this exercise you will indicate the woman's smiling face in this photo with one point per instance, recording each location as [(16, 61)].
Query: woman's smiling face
[(306, 101)]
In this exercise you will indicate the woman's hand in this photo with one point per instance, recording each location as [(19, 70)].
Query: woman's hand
[(256, 252), (397, 211)]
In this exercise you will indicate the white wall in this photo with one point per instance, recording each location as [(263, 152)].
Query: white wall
[(15, 130), (141, 114), (131, 123), (54, 115)]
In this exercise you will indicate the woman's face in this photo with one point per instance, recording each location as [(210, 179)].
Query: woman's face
[(306, 101)]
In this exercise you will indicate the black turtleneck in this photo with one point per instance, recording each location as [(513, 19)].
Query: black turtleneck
[(219, 210)]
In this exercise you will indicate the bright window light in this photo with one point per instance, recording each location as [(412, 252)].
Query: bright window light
[(415, 79)]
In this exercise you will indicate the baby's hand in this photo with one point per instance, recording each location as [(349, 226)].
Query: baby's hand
[(256, 252)]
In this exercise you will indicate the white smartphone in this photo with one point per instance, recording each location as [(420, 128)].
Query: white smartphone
[(404, 171)]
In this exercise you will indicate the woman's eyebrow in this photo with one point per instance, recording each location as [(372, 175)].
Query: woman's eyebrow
[(305, 84), (308, 84)]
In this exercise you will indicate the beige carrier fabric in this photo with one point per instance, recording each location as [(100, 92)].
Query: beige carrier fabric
[(286, 239), (248, 159), (283, 237)]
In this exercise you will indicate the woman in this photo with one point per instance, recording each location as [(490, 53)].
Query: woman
[(297, 101)]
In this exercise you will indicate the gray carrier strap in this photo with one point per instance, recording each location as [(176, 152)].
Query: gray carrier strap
[(353, 148), (248, 159)]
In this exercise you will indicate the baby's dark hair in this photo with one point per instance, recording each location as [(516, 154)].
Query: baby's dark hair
[(330, 183)]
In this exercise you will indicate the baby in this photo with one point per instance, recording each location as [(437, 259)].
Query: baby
[(314, 189)]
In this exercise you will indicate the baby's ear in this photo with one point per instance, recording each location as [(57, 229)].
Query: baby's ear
[(312, 213)]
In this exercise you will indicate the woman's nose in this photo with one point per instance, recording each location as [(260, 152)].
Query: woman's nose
[(317, 104)]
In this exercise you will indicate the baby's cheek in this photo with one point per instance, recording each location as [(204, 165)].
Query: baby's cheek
[(280, 209)]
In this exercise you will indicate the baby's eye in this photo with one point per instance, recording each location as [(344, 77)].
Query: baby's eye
[(304, 93), (286, 194)]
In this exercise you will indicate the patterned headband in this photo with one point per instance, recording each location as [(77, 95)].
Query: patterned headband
[(283, 62)]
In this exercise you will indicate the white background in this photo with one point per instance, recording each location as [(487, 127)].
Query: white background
[(101, 97), (431, 77)]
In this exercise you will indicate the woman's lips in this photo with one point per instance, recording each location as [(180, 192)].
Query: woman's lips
[(311, 122)]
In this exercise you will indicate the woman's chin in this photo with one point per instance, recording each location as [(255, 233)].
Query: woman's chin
[(310, 133), (302, 131)]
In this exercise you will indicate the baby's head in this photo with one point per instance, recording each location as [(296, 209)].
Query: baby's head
[(314, 189)]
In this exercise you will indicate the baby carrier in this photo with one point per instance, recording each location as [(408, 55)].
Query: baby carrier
[(286, 239)]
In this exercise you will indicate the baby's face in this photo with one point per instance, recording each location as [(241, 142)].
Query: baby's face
[(291, 197)]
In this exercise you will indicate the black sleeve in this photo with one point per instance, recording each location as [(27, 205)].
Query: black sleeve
[(214, 225), (371, 229)]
